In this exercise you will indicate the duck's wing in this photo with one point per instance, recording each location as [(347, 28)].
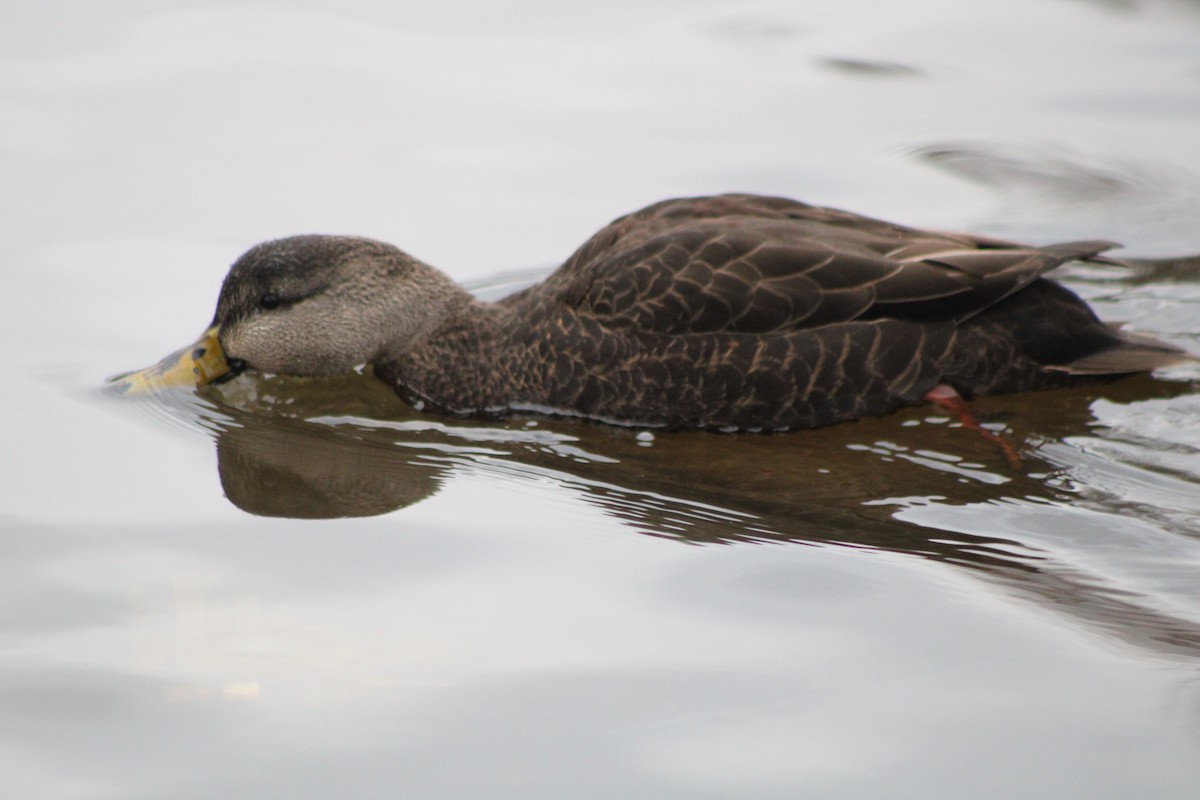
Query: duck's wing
[(755, 265)]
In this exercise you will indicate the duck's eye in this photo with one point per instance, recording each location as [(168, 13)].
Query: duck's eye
[(269, 301)]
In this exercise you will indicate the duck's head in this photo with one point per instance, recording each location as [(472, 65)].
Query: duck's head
[(309, 305)]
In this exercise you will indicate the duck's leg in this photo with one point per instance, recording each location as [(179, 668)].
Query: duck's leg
[(948, 398)]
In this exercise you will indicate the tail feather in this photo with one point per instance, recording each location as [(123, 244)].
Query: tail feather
[(1078, 251), (1134, 352)]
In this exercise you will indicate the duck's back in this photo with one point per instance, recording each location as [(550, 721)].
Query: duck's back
[(748, 264)]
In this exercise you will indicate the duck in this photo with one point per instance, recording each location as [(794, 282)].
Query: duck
[(734, 312)]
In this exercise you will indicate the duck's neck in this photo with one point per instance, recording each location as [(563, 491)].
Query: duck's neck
[(461, 364)]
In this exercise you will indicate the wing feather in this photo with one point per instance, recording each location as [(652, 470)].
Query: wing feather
[(744, 264)]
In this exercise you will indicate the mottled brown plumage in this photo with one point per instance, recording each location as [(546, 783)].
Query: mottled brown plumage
[(729, 312)]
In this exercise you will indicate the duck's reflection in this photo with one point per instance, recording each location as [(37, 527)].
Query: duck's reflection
[(287, 468), (326, 449)]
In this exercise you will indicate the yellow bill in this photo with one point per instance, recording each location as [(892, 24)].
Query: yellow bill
[(194, 365)]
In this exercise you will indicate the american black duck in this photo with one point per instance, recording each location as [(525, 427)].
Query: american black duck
[(734, 312)]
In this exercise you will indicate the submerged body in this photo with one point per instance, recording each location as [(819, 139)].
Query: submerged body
[(734, 312)]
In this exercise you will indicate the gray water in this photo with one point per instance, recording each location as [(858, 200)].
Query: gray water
[(282, 588)]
